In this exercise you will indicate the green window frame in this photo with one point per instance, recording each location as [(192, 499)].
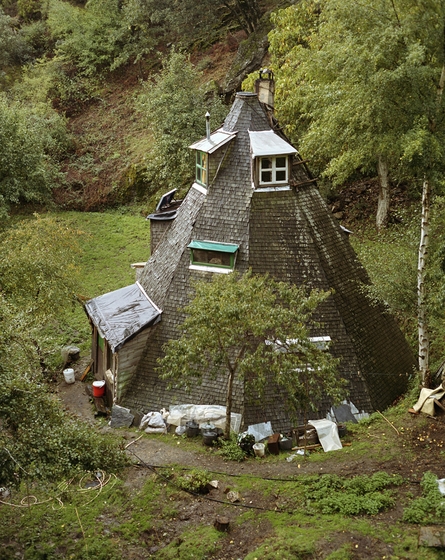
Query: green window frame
[(201, 168), (100, 342), (213, 255), (273, 170)]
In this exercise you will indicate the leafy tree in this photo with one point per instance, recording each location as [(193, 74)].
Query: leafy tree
[(31, 140), (359, 80), (90, 37), (37, 281), (189, 22), (257, 330), (13, 48), (174, 109)]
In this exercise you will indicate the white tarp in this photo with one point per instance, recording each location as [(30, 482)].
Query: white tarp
[(260, 431), (327, 432), (203, 414), (425, 403)]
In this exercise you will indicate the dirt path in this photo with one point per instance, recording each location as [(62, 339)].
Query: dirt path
[(152, 450)]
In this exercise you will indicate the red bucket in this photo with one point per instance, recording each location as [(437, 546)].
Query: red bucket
[(98, 388)]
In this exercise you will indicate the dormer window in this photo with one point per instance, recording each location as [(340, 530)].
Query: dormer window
[(273, 170), (271, 156), (201, 168), (212, 256)]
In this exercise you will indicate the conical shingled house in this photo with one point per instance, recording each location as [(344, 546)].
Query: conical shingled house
[(255, 205)]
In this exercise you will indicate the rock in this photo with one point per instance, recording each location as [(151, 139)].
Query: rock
[(432, 536), (249, 58), (233, 496), (121, 417), (70, 354)]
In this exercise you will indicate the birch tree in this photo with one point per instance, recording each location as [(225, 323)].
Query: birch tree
[(422, 320), (422, 295)]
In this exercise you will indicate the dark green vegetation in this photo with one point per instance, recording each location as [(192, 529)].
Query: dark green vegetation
[(39, 278)]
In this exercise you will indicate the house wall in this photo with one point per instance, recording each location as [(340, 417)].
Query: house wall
[(158, 228), (127, 361)]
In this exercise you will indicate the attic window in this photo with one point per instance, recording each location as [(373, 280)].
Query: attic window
[(201, 168), (212, 256), (273, 170)]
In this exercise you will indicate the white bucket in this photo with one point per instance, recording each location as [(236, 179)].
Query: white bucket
[(258, 449), (68, 374)]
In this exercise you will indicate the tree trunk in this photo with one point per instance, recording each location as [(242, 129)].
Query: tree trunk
[(384, 194), (229, 399), (424, 341)]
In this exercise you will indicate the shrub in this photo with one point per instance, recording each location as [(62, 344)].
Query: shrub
[(231, 450), (430, 507), (361, 495), (194, 481), (174, 109)]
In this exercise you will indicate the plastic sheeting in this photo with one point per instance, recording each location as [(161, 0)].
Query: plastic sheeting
[(425, 403), (121, 314), (327, 432), (260, 431), (334, 415), (203, 414)]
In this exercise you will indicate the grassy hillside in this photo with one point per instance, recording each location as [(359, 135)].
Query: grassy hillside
[(110, 242)]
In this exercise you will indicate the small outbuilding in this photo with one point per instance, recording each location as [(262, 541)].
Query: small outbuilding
[(121, 323)]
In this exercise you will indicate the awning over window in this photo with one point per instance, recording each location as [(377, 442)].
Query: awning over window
[(213, 246), (121, 314), (267, 143), (216, 140)]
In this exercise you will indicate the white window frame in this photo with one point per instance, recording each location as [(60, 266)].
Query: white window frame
[(273, 170)]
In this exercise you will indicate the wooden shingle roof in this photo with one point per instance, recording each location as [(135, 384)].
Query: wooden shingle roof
[(291, 235)]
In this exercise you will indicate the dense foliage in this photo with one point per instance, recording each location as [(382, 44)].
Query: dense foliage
[(31, 141), (174, 109), (38, 276), (360, 84), (391, 260)]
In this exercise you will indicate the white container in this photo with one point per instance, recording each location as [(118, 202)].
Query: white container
[(258, 449), (68, 374)]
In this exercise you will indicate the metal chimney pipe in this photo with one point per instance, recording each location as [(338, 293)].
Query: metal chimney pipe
[(208, 125)]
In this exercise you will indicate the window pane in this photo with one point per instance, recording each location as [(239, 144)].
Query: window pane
[(215, 258), (266, 163), (266, 176), (204, 177), (281, 175), (281, 162)]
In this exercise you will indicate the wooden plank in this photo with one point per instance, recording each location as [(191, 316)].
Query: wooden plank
[(87, 370)]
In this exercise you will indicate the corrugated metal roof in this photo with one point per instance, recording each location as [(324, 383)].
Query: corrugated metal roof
[(216, 140), (267, 143), (121, 314), (214, 246)]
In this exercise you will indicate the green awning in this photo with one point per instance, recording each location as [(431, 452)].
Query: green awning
[(213, 246)]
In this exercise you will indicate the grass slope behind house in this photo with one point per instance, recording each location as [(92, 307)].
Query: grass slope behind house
[(110, 243)]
